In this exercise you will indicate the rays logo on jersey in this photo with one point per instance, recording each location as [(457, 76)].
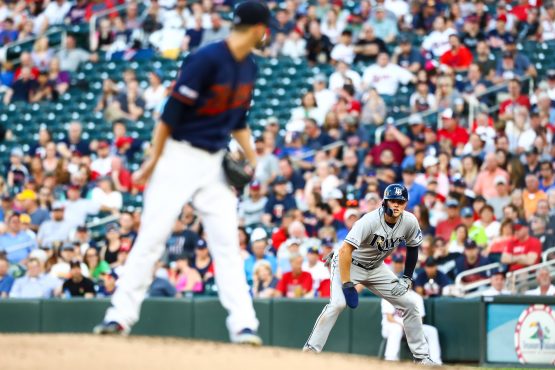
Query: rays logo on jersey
[(383, 244)]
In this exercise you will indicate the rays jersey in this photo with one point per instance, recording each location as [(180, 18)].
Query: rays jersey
[(374, 239)]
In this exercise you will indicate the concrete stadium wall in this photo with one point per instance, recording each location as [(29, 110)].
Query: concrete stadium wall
[(283, 322)]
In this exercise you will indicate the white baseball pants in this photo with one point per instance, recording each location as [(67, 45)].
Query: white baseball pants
[(183, 173), (380, 281)]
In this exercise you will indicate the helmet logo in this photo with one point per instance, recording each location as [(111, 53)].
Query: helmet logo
[(398, 191)]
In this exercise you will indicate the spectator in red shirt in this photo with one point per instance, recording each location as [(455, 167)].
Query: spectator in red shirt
[(521, 10), (395, 141), (296, 283), (451, 131), (459, 57), (524, 250), (507, 107), (445, 228)]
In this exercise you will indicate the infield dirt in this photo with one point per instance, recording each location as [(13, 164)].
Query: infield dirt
[(87, 352)]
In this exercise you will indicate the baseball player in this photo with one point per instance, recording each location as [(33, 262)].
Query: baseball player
[(360, 261), (209, 102)]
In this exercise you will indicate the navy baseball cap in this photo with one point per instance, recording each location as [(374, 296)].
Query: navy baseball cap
[(467, 212), (250, 13), (201, 244), (470, 244), (452, 203), (398, 258)]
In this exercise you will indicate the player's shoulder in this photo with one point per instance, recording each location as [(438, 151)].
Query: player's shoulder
[(208, 52), (410, 217), (371, 216)]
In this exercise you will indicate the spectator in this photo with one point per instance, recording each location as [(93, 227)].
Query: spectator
[(451, 131), (15, 243), (161, 286), (476, 232), (470, 259), (368, 46), (384, 27), (156, 92), (490, 171), (218, 31), (6, 280), (264, 281), (296, 283), (445, 228), (42, 54), (318, 45), (458, 57), (202, 262), (488, 222), (128, 105), (186, 279), (22, 89), (523, 251), (260, 251), (532, 195), (251, 209), (538, 226), (408, 57), (393, 331), (106, 196), (95, 265), (545, 288), (182, 242), (29, 202), (308, 109), (279, 202), (77, 285), (108, 96), (430, 282), (497, 285), (431, 168), (502, 199), (386, 76), (35, 284), (516, 99), (548, 22), (520, 62), (332, 26), (56, 229), (437, 42), (485, 60), (77, 208), (316, 269), (422, 100), (325, 98), (344, 50)]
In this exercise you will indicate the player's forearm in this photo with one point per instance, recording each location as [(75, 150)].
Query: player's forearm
[(345, 260), (243, 137), (161, 133)]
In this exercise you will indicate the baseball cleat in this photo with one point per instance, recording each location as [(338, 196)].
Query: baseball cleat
[(426, 361), (249, 337), (110, 328)]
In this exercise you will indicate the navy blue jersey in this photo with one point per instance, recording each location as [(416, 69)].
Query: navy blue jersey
[(211, 97)]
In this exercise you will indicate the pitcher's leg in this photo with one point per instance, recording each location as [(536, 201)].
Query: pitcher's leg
[(381, 281), (217, 205)]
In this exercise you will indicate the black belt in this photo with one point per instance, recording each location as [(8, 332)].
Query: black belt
[(358, 264)]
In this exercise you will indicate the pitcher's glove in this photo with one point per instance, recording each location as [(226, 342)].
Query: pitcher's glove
[(403, 285), (238, 174)]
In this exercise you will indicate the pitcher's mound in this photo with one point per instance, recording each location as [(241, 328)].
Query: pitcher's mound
[(87, 352)]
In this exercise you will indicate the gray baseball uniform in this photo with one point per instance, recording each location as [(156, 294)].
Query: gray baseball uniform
[(374, 240)]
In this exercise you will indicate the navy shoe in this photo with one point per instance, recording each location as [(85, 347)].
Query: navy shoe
[(110, 328), (248, 336)]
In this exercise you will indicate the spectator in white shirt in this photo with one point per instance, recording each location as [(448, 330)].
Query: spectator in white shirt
[(308, 109), (345, 49), (325, 98), (294, 46), (35, 284), (316, 268), (385, 77), (76, 208), (398, 7), (155, 93), (102, 165), (56, 11), (437, 42), (543, 277), (332, 26), (497, 285), (548, 22), (343, 75), (106, 196)]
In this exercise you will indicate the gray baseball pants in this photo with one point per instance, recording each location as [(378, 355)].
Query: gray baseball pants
[(380, 281)]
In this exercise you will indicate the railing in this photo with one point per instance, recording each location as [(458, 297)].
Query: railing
[(472, 289), (524, 278), (547, 252), (102, 221), (17, 44)]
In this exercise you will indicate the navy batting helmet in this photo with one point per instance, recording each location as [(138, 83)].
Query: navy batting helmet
[(394, 191)]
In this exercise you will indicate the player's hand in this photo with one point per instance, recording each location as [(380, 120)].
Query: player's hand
[(403, 285), (351, 294), (141, 176)]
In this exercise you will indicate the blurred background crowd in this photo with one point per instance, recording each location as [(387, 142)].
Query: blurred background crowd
[(454, 99)]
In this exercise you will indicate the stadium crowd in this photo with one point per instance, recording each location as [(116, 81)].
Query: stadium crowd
[(482, 186)]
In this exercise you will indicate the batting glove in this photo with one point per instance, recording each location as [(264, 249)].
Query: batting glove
[(403, 285), (351, 294)]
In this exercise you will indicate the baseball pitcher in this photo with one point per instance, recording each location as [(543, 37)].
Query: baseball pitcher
[(360, 261), (209, 103)]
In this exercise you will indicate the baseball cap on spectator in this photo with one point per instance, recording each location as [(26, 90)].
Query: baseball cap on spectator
[(350, 212), (26, 194), (480, 198), (551, 74), (250, 13), (201, 244), (254, 185), (447, 113), (532, 151), (313, 250), (39, 254), (404, 39), (467, 212), (398, 258), (452, 203), (6, 198), (24, 218), (459, 183), (280, 180), (501, 17), (420, 138), (82, 228), (121, 141), (430, 262), (16, 152), (58, 206), (272, 121), (103, 144), (470, 244), (67, 246), (507, 54), (74, 263), (409, 169), (327, 242), (258, 234), (415, 119), (336, 194), (519, 224), (510, 39), (320, 78), (430, 161)]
